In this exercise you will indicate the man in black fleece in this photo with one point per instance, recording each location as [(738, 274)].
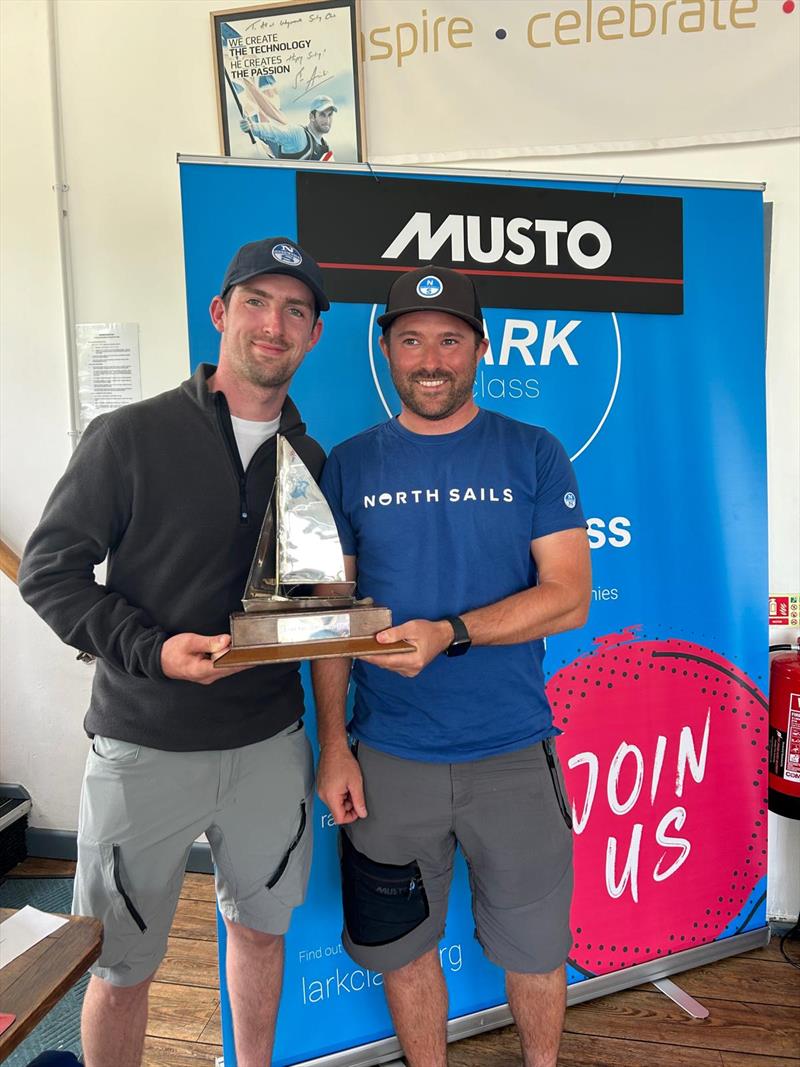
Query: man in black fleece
[(172, 491)]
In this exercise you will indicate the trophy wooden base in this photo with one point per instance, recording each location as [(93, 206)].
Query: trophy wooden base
[(290, 652), (283, 636)]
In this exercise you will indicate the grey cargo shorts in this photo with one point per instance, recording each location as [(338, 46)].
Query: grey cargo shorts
[(142, 809), (510, 816)]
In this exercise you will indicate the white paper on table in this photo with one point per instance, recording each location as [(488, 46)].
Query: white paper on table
[(25, 929)]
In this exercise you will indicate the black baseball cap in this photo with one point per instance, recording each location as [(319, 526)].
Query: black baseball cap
[(275, 255), (431, 288)]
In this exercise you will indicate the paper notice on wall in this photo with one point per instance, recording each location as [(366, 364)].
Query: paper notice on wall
[(108, 367)]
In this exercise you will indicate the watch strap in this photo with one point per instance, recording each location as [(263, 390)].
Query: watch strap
[(461, 642)]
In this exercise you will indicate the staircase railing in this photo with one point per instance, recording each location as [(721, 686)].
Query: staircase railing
[(9, 562)]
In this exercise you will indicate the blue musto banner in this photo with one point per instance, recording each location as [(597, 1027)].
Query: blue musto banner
[(629, 321)]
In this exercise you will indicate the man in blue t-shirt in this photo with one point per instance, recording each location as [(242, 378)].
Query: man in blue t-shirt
[(468, 525)]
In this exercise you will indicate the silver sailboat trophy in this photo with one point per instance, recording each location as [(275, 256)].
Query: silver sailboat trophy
[(289, 614)]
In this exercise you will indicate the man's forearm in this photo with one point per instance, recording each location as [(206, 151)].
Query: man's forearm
[(339, 781), (546, 609), (331, 678), (559, 602), (88, 510)]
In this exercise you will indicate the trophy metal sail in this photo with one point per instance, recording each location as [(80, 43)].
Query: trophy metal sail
[(288, 614)]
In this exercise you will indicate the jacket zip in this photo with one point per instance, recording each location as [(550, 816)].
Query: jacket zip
[(226, 429)]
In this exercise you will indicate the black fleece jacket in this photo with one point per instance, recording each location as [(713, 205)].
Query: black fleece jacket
[(159, 489)]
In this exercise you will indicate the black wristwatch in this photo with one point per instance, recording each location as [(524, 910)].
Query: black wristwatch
[(461, 642)]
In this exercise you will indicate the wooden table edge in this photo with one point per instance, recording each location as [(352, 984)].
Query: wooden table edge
[(23, 1025)]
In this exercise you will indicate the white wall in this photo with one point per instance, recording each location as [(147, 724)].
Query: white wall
[(44, 691), (137, 87)]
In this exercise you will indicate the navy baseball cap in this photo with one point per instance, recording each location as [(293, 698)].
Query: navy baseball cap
[(275, 255), (431, 288)]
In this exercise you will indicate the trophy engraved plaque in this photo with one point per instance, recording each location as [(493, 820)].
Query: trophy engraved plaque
[(297, 602)]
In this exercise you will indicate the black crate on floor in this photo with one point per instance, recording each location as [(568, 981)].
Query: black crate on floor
[(15, 803)]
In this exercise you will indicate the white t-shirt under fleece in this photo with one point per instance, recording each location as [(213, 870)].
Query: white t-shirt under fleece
[(251, 435)]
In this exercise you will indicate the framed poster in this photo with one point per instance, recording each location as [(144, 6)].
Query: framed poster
[(289, 81)]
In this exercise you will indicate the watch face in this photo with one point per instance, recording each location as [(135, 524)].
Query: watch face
[(458, 648)]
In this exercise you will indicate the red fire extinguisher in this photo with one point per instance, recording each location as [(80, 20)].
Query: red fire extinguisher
[(784, 732)]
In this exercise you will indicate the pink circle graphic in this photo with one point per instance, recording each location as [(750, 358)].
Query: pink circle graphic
[(664, 757)]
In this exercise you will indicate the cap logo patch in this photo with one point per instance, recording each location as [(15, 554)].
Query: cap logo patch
[(569, 500), (429, 286), (287, 254)]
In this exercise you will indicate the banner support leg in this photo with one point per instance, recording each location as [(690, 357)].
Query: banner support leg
[(681, 998)]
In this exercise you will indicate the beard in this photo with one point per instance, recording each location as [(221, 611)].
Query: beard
[(265, 375), (441, 404)]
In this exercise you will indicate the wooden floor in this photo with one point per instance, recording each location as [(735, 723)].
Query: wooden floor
[(753, 1001)]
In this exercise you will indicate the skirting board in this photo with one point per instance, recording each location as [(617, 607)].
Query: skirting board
[(63, 845)]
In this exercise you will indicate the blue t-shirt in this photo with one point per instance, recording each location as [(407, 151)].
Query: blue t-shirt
[(441, 524)]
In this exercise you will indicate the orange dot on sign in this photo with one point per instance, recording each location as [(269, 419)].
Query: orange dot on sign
[(788, 6)]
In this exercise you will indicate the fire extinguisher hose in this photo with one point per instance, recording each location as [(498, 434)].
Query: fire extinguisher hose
[(791, 935)]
